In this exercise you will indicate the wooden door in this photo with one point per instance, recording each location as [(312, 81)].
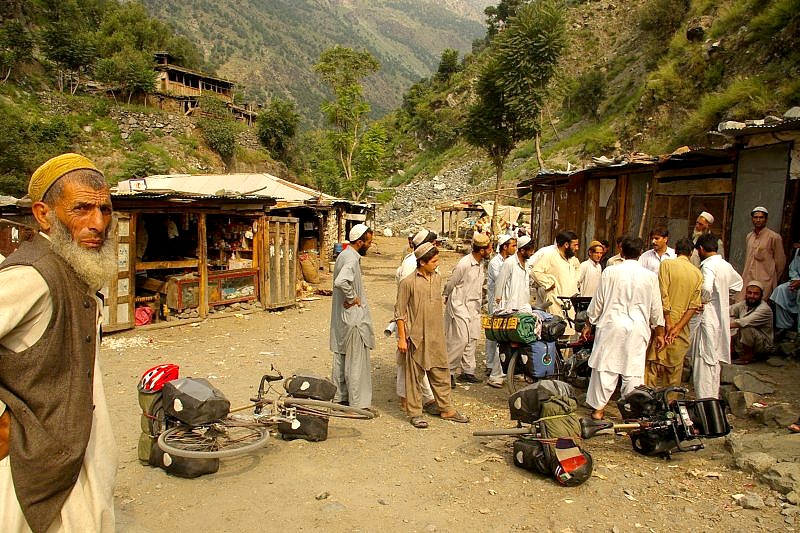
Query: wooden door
[(278, 260), (119, 294)]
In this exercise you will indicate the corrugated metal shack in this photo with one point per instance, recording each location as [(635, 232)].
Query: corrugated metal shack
[(629, 196)]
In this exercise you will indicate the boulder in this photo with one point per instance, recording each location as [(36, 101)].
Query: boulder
[(793, 112), (749, 382), (751, 500), (783, 446), (783, 477), (728, 372), (780, 415), (697, 27), (741, 403), (756, 462)]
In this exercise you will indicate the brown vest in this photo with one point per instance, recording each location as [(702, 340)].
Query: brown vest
[(48, 390)]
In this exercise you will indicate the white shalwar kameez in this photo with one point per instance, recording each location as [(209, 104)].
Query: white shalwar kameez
[(492, 273), (625, 308), (712, 340), (512, 286)]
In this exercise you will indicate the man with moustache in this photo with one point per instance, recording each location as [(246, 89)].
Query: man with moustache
[(57, 448), (765, 259), (557, 271), (702, 226), (352, 336), (751, 325), (652, 258)]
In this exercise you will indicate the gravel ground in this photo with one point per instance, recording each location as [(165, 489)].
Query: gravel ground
[(383, 474)]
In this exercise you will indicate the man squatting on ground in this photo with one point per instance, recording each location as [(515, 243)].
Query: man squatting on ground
[(751, 325), (352, 336), (680, 282), (506, 247), (408, 266), (625, 309), (59, 458), (711, 343), (464, 295), (418, 313)]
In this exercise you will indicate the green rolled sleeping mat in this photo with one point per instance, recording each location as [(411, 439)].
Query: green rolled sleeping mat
[(516, 327)]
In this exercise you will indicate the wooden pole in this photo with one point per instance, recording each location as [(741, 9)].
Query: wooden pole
[(202, 248)]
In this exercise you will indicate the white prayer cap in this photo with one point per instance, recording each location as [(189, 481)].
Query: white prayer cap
[(504, 238), (754, 283), (420, 237), (759, 209), (708, 216), (523, 241), (357, 231), (423, 249)]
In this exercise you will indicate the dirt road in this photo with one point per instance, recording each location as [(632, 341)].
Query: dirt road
[(384, 474)]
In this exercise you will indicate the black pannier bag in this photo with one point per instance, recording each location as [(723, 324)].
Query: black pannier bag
[(309, 386), (529, 454), (525, 405), (309, 427), (194, 401), (182, 466)]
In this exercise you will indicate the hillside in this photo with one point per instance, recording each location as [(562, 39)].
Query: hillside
[(649, 75), (270, 46)]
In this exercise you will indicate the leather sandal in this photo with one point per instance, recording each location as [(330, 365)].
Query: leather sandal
[(419, 422), (455, 416)]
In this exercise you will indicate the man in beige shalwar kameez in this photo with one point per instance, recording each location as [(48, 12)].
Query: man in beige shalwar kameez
[(680, 283), (765, 258)]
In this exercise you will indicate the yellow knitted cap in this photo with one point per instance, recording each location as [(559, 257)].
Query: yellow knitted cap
[(52, 169)]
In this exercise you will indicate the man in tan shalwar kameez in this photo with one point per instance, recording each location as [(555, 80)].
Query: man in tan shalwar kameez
[(420, 337), (680, 283), (765, 258)]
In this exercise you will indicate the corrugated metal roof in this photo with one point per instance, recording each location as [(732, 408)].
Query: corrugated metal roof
[(735, 129), (225, 186)]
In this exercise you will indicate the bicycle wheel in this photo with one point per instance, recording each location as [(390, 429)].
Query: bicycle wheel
[(224, 438), (323, 408), (525, 379)]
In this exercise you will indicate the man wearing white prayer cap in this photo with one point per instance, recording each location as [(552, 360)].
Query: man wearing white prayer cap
[(764, 259), (702, 226), (352, 336), (506, 247)]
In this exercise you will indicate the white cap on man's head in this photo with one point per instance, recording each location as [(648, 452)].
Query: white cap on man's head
[(759, 209), (420, 237), (356, 232), (504, 238), (708, 216), (523, 241)]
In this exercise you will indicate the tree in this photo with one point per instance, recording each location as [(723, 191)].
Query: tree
[(71, 48), (512, 85), (16, 46), (277, 126), (497, 16), (218, 127), (343, 69), (369, 161), (129, 69), (448, 65)]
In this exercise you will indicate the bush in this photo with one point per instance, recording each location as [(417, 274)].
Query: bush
[(588, 93), (220, 136)]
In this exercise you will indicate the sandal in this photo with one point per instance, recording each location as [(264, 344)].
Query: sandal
[(432, 408), (419, 422), (794, 428), (455, 416)]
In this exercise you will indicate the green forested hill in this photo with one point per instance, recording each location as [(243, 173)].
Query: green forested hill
[(270, 46)]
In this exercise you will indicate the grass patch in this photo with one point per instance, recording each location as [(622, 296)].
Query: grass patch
[(384, 197)]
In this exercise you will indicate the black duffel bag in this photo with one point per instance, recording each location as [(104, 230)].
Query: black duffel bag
[(310, 386), (194, 401), (181, 466)]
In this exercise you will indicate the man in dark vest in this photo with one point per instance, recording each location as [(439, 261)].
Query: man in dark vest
[(58, 455)]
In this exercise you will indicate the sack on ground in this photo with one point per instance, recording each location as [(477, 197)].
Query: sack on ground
[(309, 386), (181, 466), (309, 427), (194, 401), (525, 404)]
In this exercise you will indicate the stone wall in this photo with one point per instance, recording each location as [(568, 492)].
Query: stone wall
[(150, 123)]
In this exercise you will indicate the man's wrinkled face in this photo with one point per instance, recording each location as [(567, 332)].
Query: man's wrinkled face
[(659, 243), (701, 225), (86, 213), (759, 220), (752, 296)]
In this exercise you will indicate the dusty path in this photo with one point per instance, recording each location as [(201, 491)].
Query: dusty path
[(383, 474)]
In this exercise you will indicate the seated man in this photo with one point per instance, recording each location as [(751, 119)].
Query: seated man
[(751, 325), (786, 297)]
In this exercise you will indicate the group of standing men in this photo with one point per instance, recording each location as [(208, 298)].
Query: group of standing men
[(651, 309)]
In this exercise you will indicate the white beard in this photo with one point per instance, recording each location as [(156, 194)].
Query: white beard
[(94, 267)]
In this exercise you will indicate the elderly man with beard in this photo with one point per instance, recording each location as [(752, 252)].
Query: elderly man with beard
[(352, 336), (702, 226), (751, 325), (58, 453)]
